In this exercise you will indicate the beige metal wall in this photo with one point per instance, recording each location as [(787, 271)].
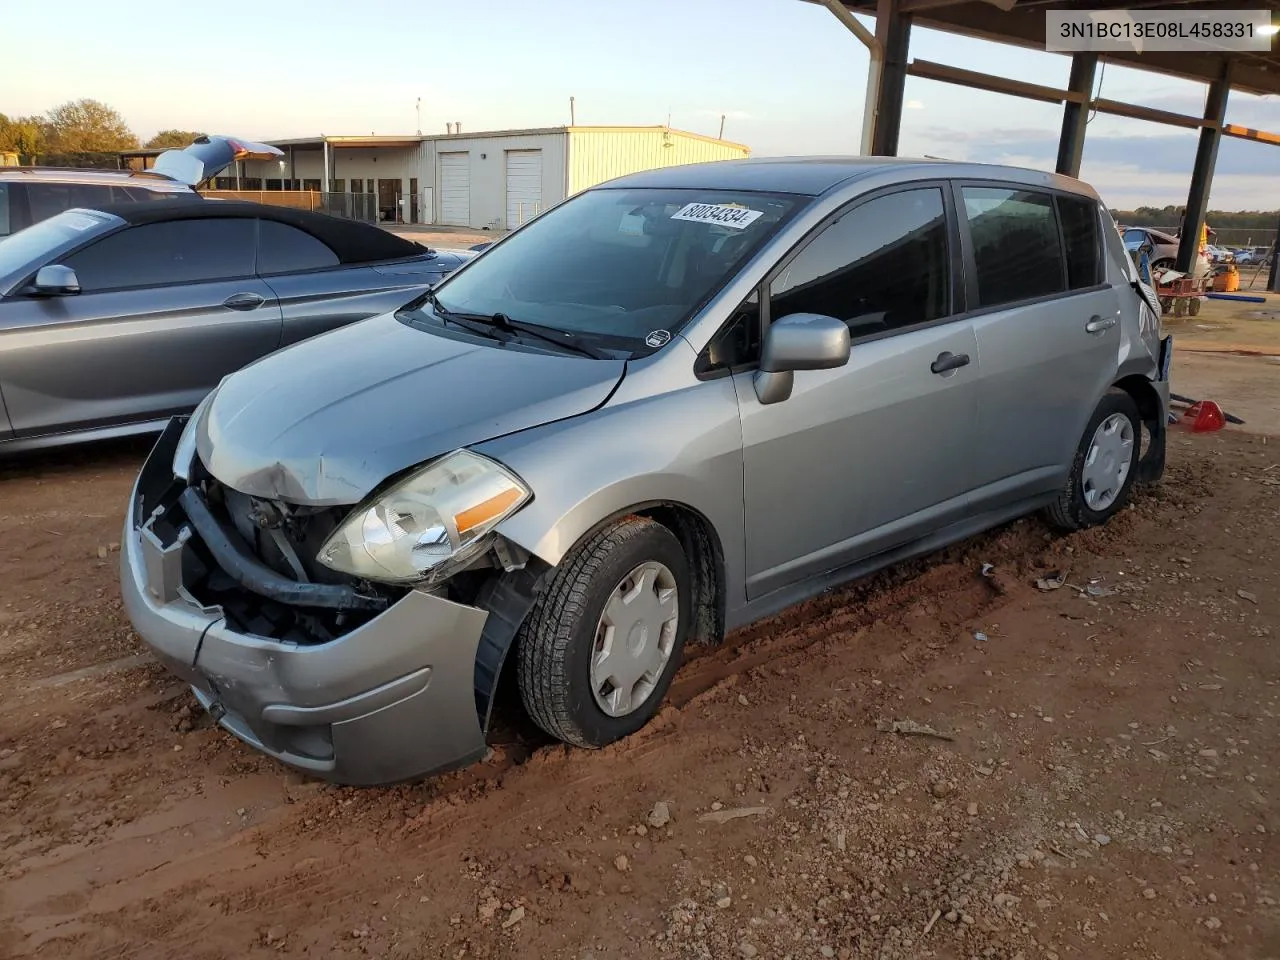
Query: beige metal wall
[(487, 162), (600, 154)]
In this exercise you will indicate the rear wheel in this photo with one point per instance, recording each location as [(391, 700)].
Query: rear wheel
[(1104, 467), (598, 651)]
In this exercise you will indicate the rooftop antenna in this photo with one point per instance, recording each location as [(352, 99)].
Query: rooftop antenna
[(573, 116), (721, 136), (417, 107)]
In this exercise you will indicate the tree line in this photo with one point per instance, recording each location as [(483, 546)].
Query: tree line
[(1169, 217), (79, 130)]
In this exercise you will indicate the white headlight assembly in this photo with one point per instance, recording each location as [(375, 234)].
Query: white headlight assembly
[(427, 525)]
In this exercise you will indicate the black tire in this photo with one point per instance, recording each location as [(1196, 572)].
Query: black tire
[(557, 640), (1069, 511), (1162, 265)]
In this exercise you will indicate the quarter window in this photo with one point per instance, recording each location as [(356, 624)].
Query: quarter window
[(1015, 244), (1080, 238), (880, 267), (5, 223), (286, 249), (179, 251)]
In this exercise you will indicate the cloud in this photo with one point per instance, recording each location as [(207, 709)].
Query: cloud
[(1127, 171)]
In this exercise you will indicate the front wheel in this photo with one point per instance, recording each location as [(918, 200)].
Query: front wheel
[(1104, 467), (598, 651)]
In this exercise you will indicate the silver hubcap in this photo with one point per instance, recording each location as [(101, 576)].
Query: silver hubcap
[(1106, 466), (634, 639)]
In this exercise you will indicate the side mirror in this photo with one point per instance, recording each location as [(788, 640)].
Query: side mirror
[(799, 341), (55, 280)]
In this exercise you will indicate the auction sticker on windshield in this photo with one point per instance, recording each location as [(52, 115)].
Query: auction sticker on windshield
[(723, 214)]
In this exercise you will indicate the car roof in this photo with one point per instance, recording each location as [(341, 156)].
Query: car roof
[(141, 178), (351, 240), (813, 176)]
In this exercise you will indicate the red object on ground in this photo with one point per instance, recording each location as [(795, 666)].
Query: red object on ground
[(1205, 416)]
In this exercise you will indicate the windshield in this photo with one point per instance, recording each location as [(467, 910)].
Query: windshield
[(619, 264), (24, 248)]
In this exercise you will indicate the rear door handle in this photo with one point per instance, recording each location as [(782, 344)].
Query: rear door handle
[(244, 301), (1098, 324), (948, 361)]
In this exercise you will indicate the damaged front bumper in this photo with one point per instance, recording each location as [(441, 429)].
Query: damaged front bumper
[(391, 700)]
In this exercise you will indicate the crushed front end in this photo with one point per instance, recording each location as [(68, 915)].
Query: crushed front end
[(353, 681)]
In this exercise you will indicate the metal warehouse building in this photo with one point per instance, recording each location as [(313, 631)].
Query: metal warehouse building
[(491, 180)]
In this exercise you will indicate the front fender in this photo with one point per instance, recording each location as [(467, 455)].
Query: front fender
[(681, 447)]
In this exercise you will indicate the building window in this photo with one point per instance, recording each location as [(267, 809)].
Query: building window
[(337, 186), (311, 184), (275, 184)]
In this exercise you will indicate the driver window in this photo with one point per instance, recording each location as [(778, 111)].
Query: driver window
[(882, 266)]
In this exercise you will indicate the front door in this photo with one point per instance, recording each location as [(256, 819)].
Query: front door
[(165, 311), (874, 454), (1048, 330), (389, 200)]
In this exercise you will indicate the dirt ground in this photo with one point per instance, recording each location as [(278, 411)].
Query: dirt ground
[(1102, 783)]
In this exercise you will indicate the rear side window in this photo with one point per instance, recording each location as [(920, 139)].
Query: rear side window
[(1079, 218), (155, 254), (880, 267), (6, 227), (50, 199), (1015, 244), (286, 249)]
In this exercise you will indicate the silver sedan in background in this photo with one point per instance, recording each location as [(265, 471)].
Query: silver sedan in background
[(113, 320)]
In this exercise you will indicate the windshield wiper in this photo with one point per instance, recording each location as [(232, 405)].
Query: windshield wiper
[(500, 321), (560, 338)]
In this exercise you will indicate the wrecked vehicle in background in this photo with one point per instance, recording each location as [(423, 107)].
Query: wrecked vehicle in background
[(670, 406), (29, 195)]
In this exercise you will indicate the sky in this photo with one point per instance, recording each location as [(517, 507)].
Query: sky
[(787, 76)]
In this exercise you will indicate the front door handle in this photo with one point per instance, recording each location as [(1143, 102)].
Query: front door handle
[(1098, 324), (948, 361), (243, 301)]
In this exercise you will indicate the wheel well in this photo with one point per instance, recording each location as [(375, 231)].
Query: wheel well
[(1151, 410), (706, 562)]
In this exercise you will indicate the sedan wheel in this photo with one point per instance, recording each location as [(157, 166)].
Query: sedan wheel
[(1104, 467), (1107, 464), (598, 651), (634, 639)]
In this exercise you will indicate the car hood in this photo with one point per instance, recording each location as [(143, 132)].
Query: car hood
[(325, 421)]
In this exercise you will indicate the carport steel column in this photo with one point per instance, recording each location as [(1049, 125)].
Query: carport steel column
[(1075, 116), (893, 31), (1215, 114)]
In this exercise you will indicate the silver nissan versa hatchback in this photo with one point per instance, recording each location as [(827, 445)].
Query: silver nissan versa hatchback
[(667, 407)]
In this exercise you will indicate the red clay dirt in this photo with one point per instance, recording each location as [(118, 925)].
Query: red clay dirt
[(1102, 782)]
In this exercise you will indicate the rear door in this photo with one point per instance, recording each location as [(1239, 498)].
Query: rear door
[(316, 293), (1048, 332), (165, 311)]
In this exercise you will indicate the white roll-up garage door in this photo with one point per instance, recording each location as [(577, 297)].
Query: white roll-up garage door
[(455, 189), (524, 186)]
